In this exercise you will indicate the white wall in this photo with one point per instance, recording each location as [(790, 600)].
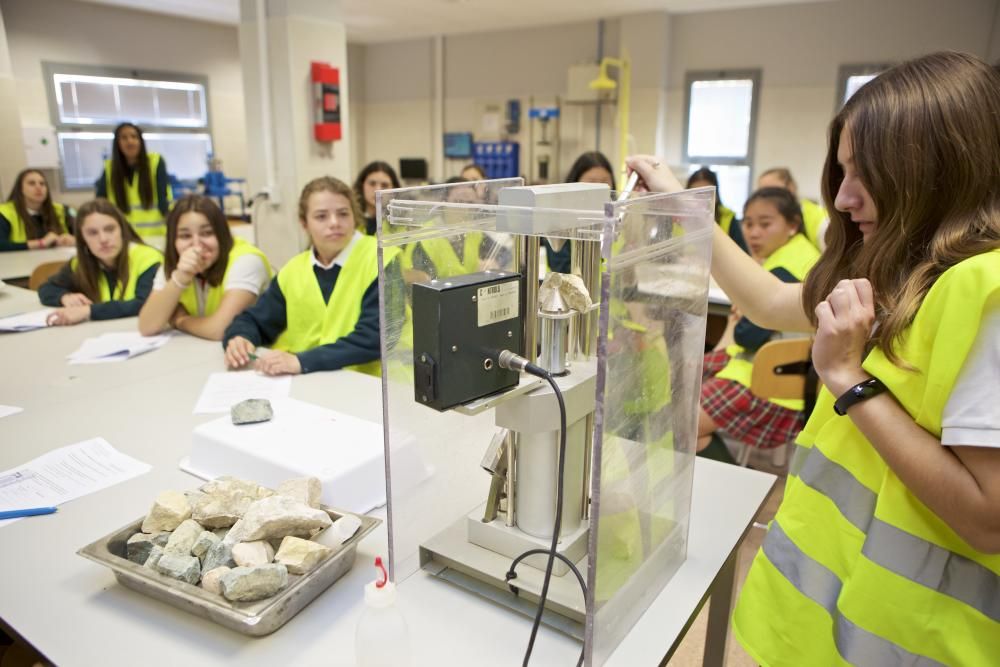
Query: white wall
[(800, 49), (10, 120), (64, 31)]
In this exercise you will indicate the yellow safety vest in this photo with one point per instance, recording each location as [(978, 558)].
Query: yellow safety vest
[(446, 261), (18, 229), (141, 258), (813, 216), (797, 257), (146, 221), (213, 297), (855, 569), (309, 321), (726, 217)]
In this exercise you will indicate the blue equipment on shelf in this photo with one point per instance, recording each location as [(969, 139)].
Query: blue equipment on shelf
[(500, 159)]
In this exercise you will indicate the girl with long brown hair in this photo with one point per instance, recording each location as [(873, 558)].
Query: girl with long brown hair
[(111, 275), (30, 220), (886, 547), (208, 276)]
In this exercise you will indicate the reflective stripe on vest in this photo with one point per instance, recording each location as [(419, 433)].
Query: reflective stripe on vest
[(309, 321), (797, 257), (141, 258), (18, 230), (446, 261), (896, 584), (213, 296), (146, 221)]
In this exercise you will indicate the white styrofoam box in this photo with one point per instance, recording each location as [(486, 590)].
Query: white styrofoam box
[(344, 452)]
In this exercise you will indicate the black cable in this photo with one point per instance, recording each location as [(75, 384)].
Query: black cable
[(558, 522)]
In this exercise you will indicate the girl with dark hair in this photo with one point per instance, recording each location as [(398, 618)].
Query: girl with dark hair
[(473, 172), (111, 275), (772, 226), (814, 217), (321, 312), (30, 220), (136, 182), (885, 548), (705, 177), (208, 277), (591, 167), (374, 177)]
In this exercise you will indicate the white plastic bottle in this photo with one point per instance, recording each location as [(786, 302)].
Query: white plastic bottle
[(382, 638)]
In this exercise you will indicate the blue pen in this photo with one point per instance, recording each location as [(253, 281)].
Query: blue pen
[(32, 511)]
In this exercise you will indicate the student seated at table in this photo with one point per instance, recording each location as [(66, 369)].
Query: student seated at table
[(321, 312), (724, 216), (814, 216), (30, 220), (111, 275), (772, 227), (208, 277), (375, 176)]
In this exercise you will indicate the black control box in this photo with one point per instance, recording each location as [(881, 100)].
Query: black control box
[(460, 325)]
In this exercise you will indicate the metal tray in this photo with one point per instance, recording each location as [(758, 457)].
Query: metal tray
[(256, 619)]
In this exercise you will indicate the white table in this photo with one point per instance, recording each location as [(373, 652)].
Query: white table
[(20, 263), (76, 614)]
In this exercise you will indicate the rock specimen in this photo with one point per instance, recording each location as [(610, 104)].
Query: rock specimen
[(183, 538), (154, 557), (211, 580), (251, 411), (224, 500), (218, 555), (202, 544), (250, 554), (185, 568), (138, 547), (306, 490), (244, 584), (169, 511), (561, 292), (277, 516), (300, 556), (345, 527)]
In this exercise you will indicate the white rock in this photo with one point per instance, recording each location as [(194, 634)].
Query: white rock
[(300, 556), (277, 516), (236, 486), (345, 527), (244, 584), (211, 581), (169, 510), (571, 292), (249, 554), (183, 538), (306, 490)]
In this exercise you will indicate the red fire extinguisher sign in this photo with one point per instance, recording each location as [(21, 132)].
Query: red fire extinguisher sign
[(326, 101)]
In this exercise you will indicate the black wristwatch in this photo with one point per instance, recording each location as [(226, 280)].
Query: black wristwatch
[(862, 391)]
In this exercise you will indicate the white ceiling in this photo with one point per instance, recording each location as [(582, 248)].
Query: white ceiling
[(387, 20)]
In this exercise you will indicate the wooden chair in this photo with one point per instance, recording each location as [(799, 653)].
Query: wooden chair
[(42, 273), (781, 369)]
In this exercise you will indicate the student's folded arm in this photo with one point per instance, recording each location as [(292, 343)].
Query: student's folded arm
[(113, 310), (159, 309), (358, 347), (59, 284), (5, 243), (213, 327), (263, 322)]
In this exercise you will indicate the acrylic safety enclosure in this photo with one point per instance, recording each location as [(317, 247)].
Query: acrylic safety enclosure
[(627, 363)]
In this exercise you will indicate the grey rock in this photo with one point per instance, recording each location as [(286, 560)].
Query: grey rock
[(185, 568), (154, 557), (250, 554), (251, 411), (300, 556), (161, 539), (221, 533), (211, 580), (204, 541), (138, 547), (306, 490), (169, 510), (244, 584), (182, 539), (277, 516), (218, 555)]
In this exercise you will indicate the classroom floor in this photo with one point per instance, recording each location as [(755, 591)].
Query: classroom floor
[(692, 649)]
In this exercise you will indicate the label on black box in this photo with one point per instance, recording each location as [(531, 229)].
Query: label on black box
[(497, 302)]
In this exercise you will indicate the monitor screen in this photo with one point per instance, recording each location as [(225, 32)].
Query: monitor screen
[(458, 144), (413, 168)]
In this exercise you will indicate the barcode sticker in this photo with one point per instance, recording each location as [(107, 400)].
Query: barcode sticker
[(497, 303)]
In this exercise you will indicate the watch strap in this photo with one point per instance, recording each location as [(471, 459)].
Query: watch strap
[(862, 391)]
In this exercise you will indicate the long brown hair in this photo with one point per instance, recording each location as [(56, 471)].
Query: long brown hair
[(926, 141), (119, 167), (337, 187), (87, 274), (50, 221), (216, 218)]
